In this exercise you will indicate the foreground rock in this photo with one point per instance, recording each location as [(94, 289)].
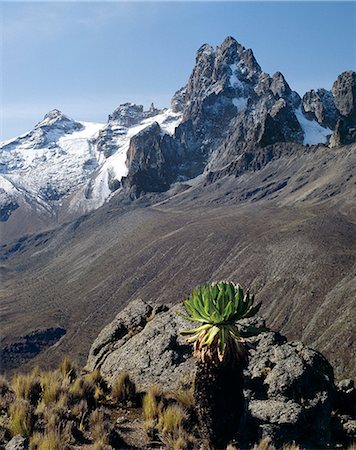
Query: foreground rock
[(289, 388)]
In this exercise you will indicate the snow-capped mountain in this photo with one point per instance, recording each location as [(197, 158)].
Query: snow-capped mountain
[(228, 117), (60, 157)]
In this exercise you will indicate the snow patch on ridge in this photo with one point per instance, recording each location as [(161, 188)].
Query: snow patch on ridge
[(314, 133), (234, 80), (240, 103)]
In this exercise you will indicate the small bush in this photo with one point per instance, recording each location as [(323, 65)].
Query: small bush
[(291, 446), (123, 390), (21, 418)]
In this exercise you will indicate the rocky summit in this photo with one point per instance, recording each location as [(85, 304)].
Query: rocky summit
[(289, 390), (229, 110)]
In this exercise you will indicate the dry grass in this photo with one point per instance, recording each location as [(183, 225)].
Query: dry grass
[(185, 397), (27, 387), (264, 444), (51, 440), (68, 369), (171, 420), (99, 422), (21, 418), (291, 446), (51, 387), (123, 390)]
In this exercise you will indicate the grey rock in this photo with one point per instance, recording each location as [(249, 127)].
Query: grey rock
[(18, 442), (155, 354), (276, 411), (319, 105), (344, 92)]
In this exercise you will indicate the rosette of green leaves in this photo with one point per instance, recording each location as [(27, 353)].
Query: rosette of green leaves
[(217, 307)]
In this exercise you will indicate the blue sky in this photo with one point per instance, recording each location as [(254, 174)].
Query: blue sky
[(86, 58)]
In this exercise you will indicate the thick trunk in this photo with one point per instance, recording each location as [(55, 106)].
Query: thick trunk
[(219, 401)]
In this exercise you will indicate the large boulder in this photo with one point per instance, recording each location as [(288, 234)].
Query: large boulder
[(289, 388)]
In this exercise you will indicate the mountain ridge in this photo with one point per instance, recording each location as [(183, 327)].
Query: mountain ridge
[(228, 109)]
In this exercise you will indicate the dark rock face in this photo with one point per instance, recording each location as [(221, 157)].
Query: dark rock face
[(229, 99), (28, 346), (319, 105), (154, 161), (6, 209), (289, 388), (344, 92)]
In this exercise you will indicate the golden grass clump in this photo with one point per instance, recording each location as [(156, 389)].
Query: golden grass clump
[(151, 402), (185, 397), (264, 444), (21, 418), (181, 441), (99, 422), (123, 389), (51, 387), (82, 389), (7, 395), (51, 440), (27, 387), (68, 369), (291, 446), (171, 420)]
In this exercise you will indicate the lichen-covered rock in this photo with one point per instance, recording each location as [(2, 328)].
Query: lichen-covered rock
[(145, 342)]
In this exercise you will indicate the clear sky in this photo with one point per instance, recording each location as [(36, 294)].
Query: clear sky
[(85, 58)]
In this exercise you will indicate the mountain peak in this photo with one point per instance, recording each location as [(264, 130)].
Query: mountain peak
[(55, 118)]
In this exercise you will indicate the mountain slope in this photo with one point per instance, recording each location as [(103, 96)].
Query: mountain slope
[(293, 243)]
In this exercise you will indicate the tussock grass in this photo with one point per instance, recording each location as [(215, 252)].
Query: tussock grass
[(51, 384), (123, 389), (185, 397), (264, 444), (291, 446), (51, 440), (171, 420), (68, 369), (100, 425), (151, 402), (27, 387), (21, 418)]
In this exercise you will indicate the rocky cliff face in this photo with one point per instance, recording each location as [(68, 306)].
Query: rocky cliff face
[(344, 92), (289, 388)]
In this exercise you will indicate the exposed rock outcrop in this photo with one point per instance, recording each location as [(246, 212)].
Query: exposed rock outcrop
[(344, 92), (289, 388), (319, 105)]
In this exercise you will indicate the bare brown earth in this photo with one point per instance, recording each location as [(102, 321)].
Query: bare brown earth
[(287, 231)]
